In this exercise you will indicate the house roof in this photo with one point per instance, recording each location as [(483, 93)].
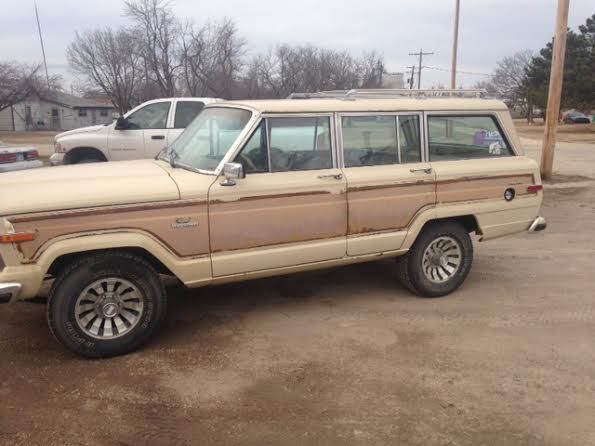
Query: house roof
[(72, 101)]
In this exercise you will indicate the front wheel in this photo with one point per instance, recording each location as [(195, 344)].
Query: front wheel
[(106, 304), (439, 260)]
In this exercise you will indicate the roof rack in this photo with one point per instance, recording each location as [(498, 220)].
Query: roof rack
[(387, 93)]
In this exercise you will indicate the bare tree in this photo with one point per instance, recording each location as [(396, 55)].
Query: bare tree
[(510, 81), (288, 69), (109, 60), (211, 57), (157, 31), (18, 81)]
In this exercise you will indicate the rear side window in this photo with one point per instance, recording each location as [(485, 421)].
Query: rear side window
[(380, 140), (299, 143), (186, 111), (465, 137)]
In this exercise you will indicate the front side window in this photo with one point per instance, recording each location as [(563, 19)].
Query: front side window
[(465, 137), (380, 140), (152, 116), (204, 143), (186, 111), (299, 143), (254, 156)]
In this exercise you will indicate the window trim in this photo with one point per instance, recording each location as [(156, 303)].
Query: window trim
[(475, 114), (420, 122)]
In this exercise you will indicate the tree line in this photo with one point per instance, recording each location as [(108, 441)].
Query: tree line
[(159, 55), (522, 79)]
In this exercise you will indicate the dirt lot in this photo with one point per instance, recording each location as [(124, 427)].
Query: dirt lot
[(566, 132), (344, 356)]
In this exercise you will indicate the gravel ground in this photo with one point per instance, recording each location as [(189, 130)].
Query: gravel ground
[(343, 356)]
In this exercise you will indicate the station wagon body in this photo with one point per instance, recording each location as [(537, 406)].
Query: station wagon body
[(259, 188)]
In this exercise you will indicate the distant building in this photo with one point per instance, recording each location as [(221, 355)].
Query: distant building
[(55, 111), (393, 80)]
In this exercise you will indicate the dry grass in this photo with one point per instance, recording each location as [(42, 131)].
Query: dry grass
[(566, 132), (40, 137)]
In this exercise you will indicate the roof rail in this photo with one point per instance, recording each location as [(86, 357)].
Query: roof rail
[(385, 93)]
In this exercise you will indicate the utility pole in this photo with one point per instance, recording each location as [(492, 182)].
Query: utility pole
[(45, 65), (455, 47), (421, 54), (412, 77), (555, 91)]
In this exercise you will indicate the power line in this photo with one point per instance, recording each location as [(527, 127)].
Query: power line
[(421, 54), (458, 71)]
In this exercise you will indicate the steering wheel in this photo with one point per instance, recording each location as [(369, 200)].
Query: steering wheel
[(249, 162)]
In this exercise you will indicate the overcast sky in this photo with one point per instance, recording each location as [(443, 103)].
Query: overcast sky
[(490, 29)]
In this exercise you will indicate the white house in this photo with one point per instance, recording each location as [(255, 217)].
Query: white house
[(54, 111)]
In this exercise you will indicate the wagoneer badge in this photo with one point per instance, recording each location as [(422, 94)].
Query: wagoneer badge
[(184, 222)]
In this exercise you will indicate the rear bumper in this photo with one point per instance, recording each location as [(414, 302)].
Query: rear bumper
[(9, 292), (57, 159), (20, 165), (539, 224)]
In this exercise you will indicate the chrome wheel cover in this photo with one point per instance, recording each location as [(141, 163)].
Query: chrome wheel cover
[(442, 259), (109, 308)]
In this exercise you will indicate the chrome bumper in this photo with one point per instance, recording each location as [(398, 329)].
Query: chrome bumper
[(539, 224), (57, 159), (9, 292)]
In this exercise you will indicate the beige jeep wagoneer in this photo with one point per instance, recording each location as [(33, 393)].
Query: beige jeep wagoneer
[(260, 188)]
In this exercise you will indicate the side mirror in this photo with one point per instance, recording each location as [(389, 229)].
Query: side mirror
[(121, 123), (232, 172)]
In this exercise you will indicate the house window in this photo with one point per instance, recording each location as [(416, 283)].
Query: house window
[(103, 112), (82, 112)]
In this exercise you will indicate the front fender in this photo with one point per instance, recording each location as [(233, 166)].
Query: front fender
[(195, 270)]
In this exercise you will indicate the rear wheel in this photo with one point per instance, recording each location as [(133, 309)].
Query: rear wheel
[(439, 260), (106, 304)]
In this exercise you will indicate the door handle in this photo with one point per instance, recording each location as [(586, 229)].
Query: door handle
[(338, 176), (427, 170), (158, 137)]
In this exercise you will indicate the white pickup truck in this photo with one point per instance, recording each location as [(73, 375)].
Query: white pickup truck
[(140, 133)]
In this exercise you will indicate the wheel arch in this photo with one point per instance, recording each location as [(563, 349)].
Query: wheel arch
[(75, 154), (60, 253), (436, 215)]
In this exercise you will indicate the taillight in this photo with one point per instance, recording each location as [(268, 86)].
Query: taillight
[(534, 188), (32, 155), (8, 157)]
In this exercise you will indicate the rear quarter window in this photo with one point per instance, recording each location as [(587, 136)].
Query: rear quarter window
[(465, 137)]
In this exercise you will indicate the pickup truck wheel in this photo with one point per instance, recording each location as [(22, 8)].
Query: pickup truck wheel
[(89, 159), (438, 262), (106, 304)]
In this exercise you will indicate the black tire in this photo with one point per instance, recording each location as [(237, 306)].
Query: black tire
[(410, 267), (89, 159), (65, 300)]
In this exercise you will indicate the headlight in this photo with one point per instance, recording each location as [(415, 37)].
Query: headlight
[(59, 148)]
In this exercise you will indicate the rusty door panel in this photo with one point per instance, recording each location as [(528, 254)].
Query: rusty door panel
[(385, 198), (270, 210)]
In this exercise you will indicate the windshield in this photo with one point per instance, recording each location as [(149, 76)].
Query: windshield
[(207, 139)]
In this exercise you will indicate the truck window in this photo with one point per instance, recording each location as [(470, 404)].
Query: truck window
[(186, 111), (151, 116), (465, 137), (373, 140), (300, 143)]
